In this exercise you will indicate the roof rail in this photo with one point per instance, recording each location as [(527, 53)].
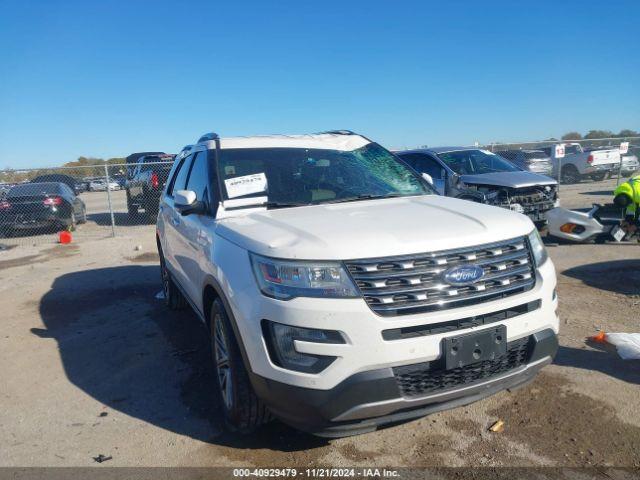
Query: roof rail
[(338, 132), (208, 136)]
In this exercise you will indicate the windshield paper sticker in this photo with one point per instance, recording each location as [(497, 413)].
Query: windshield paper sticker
[(246, 185)]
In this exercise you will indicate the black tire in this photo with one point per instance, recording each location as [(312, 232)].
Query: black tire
[(242, 410), (132, 209), (83, 217), (173, 297), (570, 174), (598, 177)]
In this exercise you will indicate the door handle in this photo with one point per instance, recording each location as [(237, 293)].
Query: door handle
[(175, 221)]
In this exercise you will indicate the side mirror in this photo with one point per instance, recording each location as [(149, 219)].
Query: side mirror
[(186, 203), (428, 178)]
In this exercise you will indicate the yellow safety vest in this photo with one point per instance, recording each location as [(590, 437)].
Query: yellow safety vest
[(631, 188)]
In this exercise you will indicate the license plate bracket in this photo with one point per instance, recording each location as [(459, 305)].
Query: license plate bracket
[(462, 350)]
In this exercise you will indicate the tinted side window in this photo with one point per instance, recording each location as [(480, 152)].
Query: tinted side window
[(199, 176), (179, 179), (410, 159)]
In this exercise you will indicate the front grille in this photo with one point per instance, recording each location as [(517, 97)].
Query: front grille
[(414, 283), (424, 378)]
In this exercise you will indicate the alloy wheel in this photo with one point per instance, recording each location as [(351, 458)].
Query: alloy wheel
[(223, 367)]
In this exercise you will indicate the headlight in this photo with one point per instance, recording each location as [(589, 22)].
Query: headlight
[(538, 249), (285, 279)]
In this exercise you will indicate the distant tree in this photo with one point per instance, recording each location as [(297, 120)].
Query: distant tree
[(598, 134), (628, 133), (551, 139), (572, 136)]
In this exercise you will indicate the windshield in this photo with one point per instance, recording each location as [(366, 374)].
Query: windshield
[(470, 162), (312, 176)]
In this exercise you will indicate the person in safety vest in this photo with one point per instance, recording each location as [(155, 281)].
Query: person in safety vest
[(627, 196)]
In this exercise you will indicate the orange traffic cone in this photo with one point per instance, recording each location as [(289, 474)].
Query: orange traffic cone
[(600, 337), (65, 237)]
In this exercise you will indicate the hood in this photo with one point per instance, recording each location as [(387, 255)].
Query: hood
[(509, 179), (372, 228)]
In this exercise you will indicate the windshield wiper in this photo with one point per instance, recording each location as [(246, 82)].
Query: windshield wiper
[(365, 196), (273, 205)]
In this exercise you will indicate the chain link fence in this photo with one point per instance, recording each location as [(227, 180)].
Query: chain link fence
[(97, 201), (88, 201)]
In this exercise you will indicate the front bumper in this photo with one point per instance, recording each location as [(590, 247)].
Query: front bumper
[(359, 384), (368, 400)]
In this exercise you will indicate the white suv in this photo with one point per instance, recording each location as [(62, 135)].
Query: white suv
[(341, 291)]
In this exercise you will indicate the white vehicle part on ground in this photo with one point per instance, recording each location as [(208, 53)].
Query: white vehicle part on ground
[(627, 344), (558, 217)]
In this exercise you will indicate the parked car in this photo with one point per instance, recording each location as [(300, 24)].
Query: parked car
[(68, 180), (340, 291), (4, 189), (535, 161), (101, 185), (579, 164), (481, 176), (40, 205), (145, 183)]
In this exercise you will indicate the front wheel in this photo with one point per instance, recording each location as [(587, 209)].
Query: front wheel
[(598, 177), (242, 409)]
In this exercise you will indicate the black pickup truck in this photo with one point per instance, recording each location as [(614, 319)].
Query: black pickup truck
[(145, 181)]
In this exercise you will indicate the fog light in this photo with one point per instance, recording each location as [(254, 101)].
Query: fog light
[(280, 343)]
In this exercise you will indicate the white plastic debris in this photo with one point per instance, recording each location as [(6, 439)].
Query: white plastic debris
[(627, 344), (160, 295), (138, 248)]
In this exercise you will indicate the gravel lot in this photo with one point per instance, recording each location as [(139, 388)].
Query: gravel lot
[(93, 364)]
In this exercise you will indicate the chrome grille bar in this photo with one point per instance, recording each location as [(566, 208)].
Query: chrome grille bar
[(415, 283)]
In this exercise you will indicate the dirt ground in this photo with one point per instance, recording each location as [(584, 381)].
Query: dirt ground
[(92, 363)]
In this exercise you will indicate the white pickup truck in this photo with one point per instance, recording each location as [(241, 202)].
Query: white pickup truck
[(578, 164)]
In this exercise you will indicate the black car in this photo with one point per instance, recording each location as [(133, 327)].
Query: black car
[(145, 182), (68, 180), (47, 205)]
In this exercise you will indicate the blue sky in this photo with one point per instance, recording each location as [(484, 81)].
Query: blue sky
[(108, 78)]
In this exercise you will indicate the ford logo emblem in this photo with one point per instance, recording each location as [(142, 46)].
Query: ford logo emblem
[(463, 275)]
